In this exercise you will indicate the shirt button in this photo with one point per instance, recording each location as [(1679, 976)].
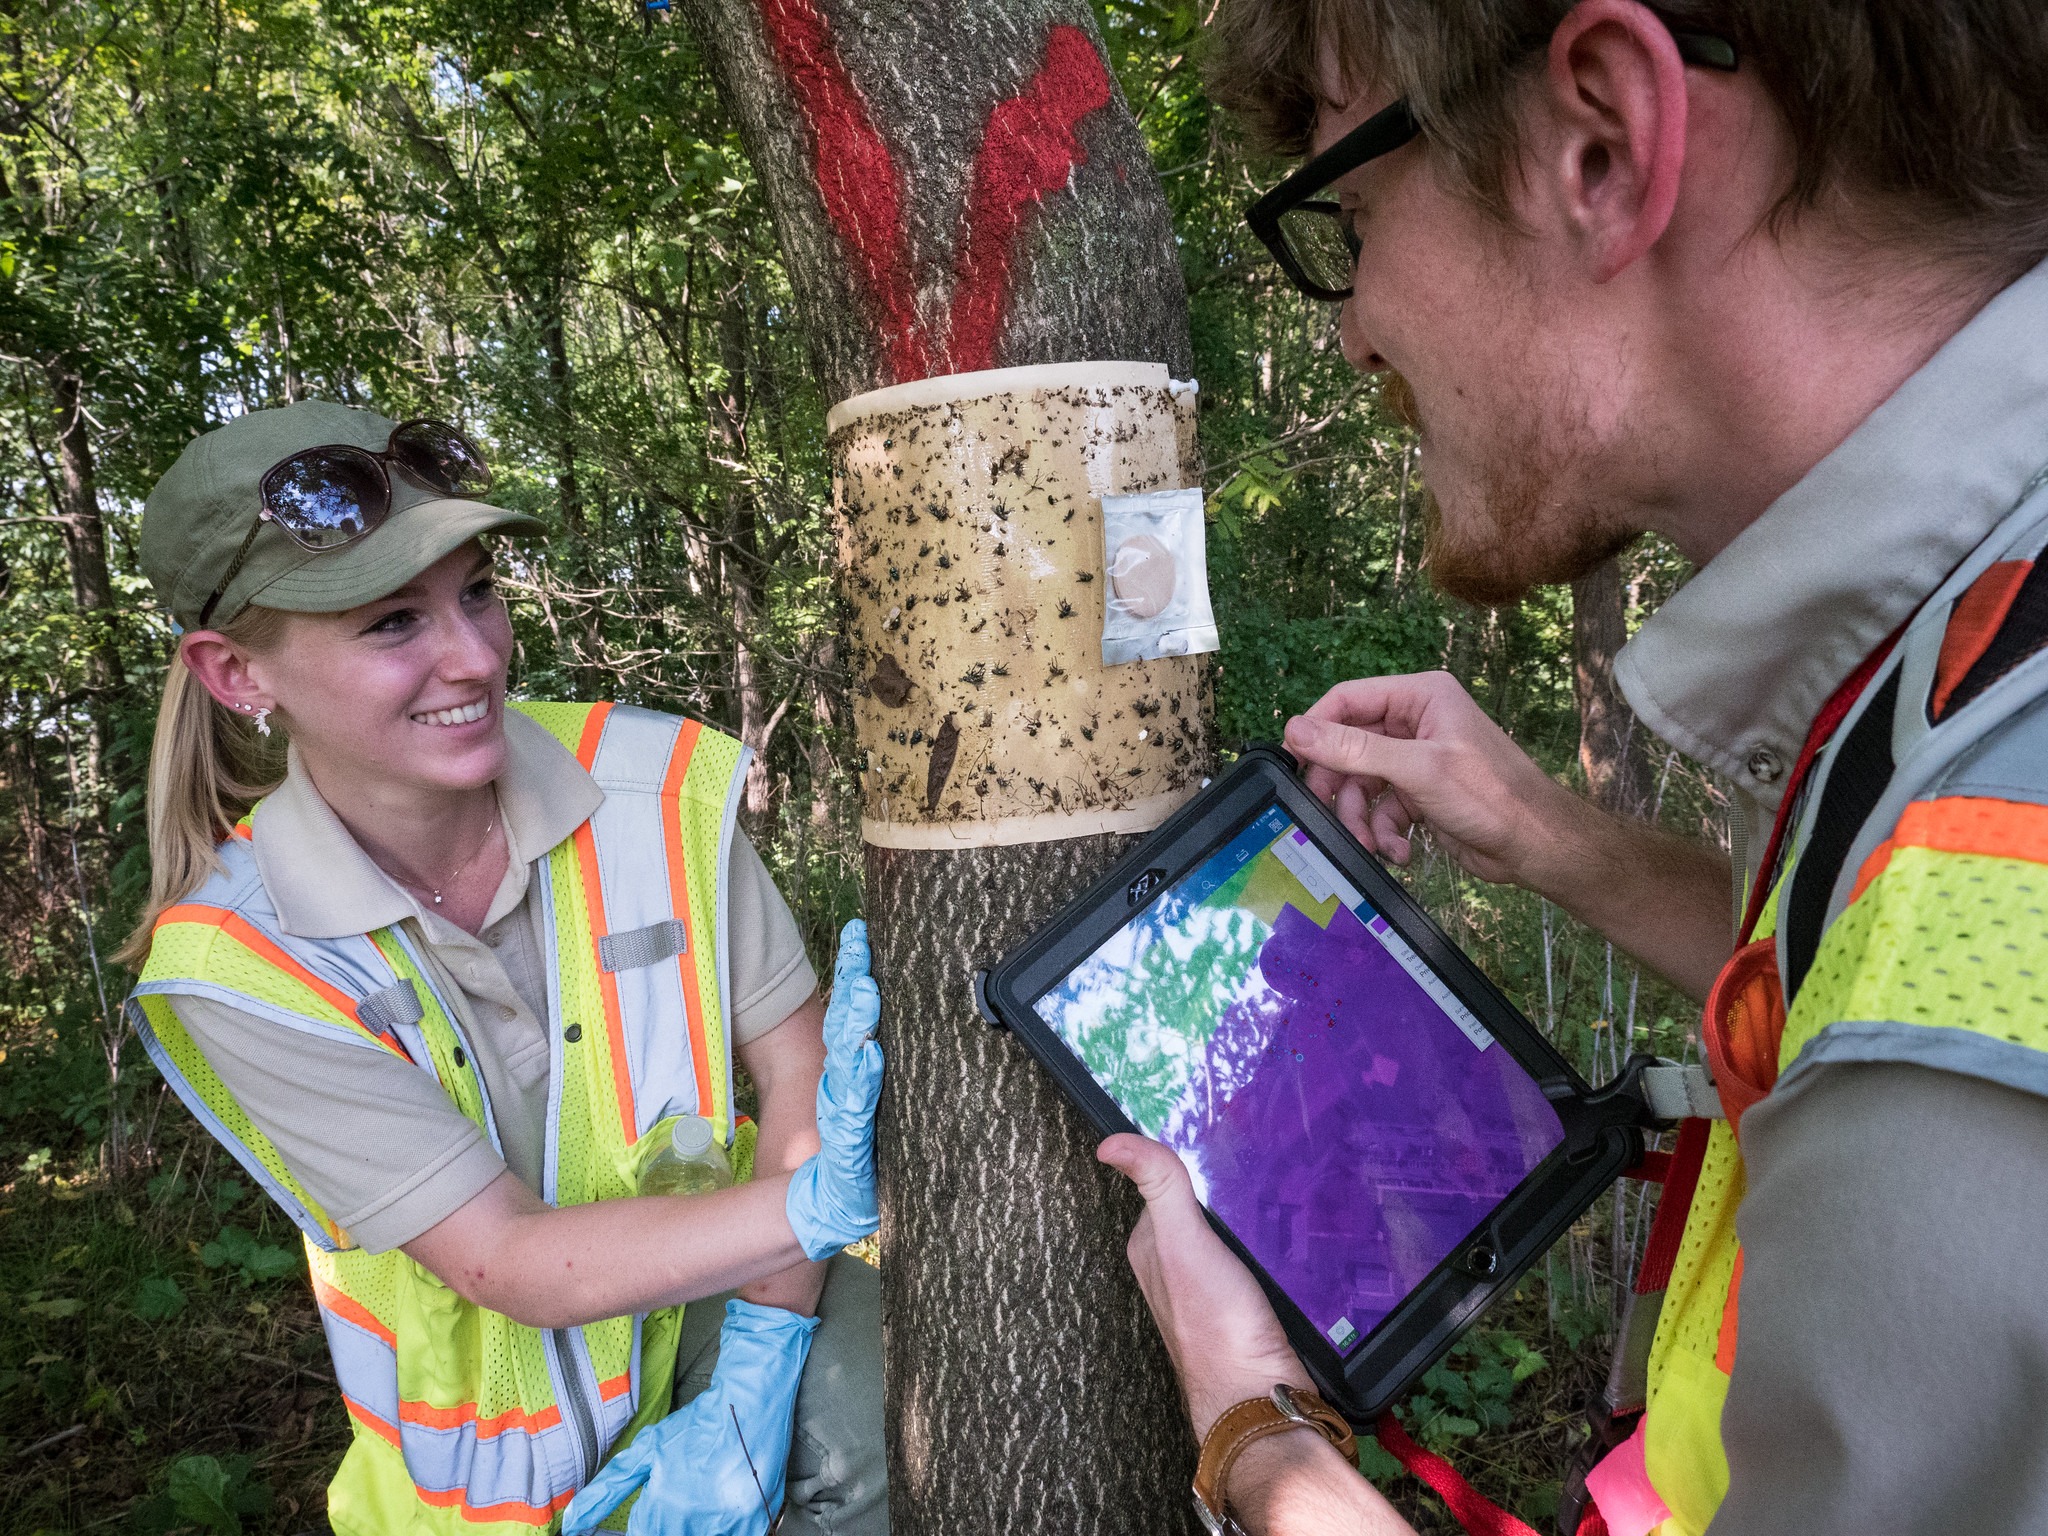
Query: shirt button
[(1765, 766), (507, 1011), (495, 940), (573, 1033), (460, 1059)]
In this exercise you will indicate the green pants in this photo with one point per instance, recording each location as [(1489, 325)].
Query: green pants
[(838, 1473)]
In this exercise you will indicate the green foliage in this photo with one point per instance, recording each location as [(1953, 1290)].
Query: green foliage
[(238, 1253), (158, 1299), (207, 1492)]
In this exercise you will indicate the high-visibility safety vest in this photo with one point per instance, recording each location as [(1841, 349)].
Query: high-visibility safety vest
[(463, 1419), (1905, 928)]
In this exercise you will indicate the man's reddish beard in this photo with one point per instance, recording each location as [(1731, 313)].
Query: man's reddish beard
[(1523, 533)]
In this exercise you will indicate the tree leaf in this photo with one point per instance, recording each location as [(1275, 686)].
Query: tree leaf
[(199, 1493), (158, 1299)]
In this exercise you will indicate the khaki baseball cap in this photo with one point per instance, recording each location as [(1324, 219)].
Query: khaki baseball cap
[(205, 504)]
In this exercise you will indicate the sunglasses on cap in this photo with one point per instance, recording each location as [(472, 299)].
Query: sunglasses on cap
[(327, 498)]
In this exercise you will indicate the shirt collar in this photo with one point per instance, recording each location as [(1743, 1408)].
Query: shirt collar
[(324, 886), (1734, 668)]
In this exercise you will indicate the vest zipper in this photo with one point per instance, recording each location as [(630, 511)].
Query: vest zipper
[(576, 1409)]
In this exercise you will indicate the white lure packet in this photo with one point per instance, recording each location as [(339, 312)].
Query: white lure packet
[(1156, 569)]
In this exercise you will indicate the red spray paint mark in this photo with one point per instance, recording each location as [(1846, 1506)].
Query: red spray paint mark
[(1028, 150), (857, 175)]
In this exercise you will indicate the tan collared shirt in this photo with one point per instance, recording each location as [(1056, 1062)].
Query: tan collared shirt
[(373, 1139), (1889, 1371)]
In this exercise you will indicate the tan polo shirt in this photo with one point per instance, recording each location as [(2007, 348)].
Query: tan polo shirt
[(372, 1138)]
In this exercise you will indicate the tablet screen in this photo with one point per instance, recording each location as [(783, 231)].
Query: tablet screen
[(1347, 1117)]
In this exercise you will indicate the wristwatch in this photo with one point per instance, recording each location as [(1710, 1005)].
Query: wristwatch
[(1253, 1419)]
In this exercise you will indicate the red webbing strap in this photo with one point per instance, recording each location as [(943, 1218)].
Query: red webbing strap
[(1668, 1225), (1472, 1509), (1651, 1168)]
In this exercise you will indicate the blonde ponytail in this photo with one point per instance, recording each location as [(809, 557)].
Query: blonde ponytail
[(207, 766)]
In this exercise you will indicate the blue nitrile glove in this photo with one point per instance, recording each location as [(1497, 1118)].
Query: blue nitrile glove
[(696, 1477), (832, 1197)]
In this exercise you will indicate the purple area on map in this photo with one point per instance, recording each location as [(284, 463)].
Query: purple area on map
[(1348, 1131)]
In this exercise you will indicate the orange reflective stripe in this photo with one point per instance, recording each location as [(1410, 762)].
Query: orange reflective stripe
[(593, 733), (244, 831), (618, 1386), (593, 901), (2001, 829), (1731, 1321), (1973, 624), (349, 1310), (1879, 861), (679, 903), (607, 983), (252, 938), (512, 1509), (371, 1421), (1998, 829), (429, 1417)]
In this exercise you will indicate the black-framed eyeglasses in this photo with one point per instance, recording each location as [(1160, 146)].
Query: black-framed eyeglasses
[(1311, 236), (327, 498)]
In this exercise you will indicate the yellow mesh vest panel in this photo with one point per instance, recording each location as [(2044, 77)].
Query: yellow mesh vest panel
[(1938, 940)]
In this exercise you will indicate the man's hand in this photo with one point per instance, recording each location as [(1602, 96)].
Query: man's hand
[(1227, 1346), (1219, 1328), (1387, 753)]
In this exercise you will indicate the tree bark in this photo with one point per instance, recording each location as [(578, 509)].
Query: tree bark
[(742, 554), (1611, 746), (85, 553), (957, 185)]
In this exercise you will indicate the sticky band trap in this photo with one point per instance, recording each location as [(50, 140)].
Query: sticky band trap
[(971, 550)]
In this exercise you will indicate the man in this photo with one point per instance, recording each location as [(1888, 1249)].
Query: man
[(1762, 278)]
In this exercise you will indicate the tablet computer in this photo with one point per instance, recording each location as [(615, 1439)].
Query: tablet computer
[(1373, 1128)]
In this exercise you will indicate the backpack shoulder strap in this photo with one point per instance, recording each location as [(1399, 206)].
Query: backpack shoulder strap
[(1970, 674)]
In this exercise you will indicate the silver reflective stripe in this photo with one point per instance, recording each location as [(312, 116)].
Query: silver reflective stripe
[(1681, 1093), (636, 894), (394, 1008), (643, 946)]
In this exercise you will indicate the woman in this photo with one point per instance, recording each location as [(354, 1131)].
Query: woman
[(458, 975)]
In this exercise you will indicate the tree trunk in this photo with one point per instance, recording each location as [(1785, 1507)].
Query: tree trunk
[(959, 186), (585, 626), (85, 552), (742, 555), (1610, 739)]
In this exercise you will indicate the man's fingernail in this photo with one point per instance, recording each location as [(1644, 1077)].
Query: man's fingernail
[(1301, 729)]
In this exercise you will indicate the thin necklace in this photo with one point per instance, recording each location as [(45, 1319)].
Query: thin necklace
[(435, 890)]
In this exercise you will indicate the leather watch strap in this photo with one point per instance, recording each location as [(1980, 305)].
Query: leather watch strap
[(1254, 1419)]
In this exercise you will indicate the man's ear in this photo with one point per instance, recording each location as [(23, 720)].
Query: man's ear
[(1616, 94)]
